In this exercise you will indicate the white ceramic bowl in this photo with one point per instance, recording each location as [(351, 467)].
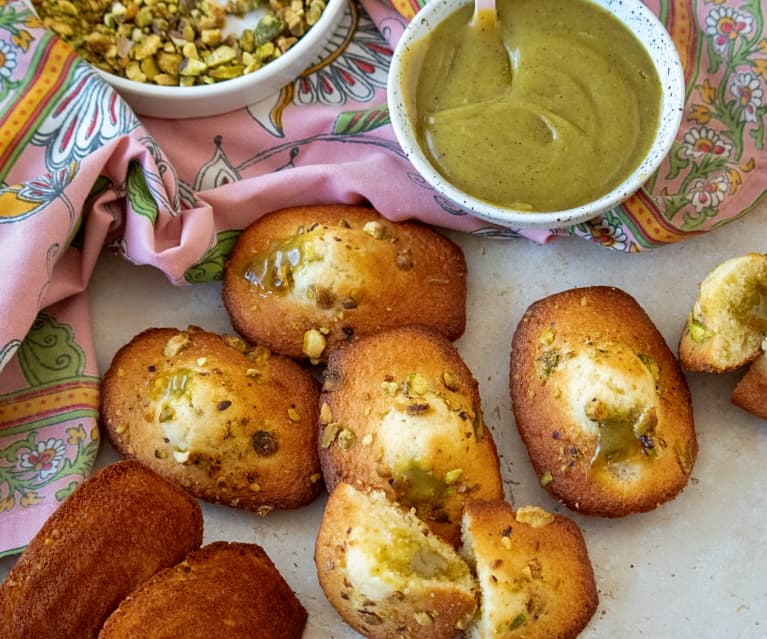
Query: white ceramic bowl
[(222, 97), (632, 13)]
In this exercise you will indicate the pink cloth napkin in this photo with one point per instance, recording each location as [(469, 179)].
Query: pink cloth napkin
[(80, 171)]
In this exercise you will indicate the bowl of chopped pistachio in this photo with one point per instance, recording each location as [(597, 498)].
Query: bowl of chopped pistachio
[(194, 58)]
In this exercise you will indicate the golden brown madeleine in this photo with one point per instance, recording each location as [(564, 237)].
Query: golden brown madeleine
[(115, 531), (386, 574), (222, 591), (231, 424), (401, 411), (601, 403), (306, 280), (751, 391), (728, 321), (533, 569)]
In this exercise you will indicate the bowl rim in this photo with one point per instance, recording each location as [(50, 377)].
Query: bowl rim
[(672, 107), (282, 66)]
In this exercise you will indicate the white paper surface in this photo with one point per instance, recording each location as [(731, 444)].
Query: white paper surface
[(696, 567)]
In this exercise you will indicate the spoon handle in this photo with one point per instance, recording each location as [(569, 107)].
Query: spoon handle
[(484, 5)]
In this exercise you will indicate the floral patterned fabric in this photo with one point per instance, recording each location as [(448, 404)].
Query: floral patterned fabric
[(80, 170)]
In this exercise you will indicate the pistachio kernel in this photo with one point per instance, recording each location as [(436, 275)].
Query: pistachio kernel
[(314, 343), (698, 331), (423, 618), (452, 476), (346, 438), (176, 344), (329, 434), (416, 384), (547, 337), (374, 229), (389, 388), (326, 415), (293, 415), (533, 516), (451, 381)]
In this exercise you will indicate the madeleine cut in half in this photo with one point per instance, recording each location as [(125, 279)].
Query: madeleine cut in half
[(223, 590), (386, 574), (305, 280), (230, 423), (751, 392), (400, 411), (601, 403), (533, 570), (111, 534), (728, 321)]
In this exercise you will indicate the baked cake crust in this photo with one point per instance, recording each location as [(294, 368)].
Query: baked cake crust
[(601, 403)]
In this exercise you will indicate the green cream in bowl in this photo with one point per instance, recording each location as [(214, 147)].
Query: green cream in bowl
[(552, 117)]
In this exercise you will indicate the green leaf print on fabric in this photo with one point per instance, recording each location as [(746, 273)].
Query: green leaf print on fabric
[(351, 122), (211, 266), (139, 194), (49, 352)]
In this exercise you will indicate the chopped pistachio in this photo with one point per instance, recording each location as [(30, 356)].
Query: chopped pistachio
[(533, 516), (346, 438), (293, 415), (329, 434), (113, 35), (176, 344), (546, 478), (314, 343), (374, 229), (452, 476), (451, 381), (518, 621), (389, 388), (326, 415), (416, 384), (547, 337), (698, 331), (423, 618)]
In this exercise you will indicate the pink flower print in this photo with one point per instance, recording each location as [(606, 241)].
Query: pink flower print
[(45, 459), (708, 194), (725, 24), (702, 140), (749, 93)]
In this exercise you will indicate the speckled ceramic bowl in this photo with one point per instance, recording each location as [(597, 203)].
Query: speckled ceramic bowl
[(222, 97), (632, 13)]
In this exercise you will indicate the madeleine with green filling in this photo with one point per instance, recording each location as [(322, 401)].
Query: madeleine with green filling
[(533, 570), (230, 423), (601, 403), (400, 411), (304, 281), (386, 573)]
